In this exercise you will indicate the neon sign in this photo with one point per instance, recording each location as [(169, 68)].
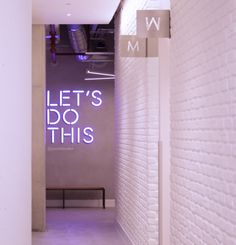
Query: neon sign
[(63, 116)]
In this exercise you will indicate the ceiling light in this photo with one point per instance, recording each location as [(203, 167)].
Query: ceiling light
[(68, 14)]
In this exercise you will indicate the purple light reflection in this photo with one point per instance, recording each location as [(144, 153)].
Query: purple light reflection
[(81, 57), (49, 36)]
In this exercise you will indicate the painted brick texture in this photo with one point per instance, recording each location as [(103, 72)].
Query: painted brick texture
[(203, 122), (136, 98)]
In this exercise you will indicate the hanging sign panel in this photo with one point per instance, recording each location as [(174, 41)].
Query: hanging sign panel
[(133, 46), (151, 25)]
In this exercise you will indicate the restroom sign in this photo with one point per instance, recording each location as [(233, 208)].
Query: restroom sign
[(151, 25), (133, 46)]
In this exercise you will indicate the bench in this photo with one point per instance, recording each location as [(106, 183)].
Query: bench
[(64, 189)]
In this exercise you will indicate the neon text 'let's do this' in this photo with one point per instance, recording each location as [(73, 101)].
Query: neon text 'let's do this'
[(63, 116)]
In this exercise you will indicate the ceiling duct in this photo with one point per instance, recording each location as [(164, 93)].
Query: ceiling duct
[(78, 39)]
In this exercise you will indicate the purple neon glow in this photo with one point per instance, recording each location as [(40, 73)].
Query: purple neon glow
[(49, 36), (81, 57), (74, 27)]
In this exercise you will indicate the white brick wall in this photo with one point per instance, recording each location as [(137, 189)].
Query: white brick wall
[(136, 95), (203, 115)]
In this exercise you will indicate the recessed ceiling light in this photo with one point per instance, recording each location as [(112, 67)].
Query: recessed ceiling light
[(68, 14)]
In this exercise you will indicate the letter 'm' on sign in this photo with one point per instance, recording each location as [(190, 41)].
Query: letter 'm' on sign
[(132, 46), (153, 23)]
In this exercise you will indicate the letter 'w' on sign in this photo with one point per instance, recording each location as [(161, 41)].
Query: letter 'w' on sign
[(153, 23), (132, 46)]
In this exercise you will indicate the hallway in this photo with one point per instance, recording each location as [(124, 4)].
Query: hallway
[(152, 121), (85, 226)]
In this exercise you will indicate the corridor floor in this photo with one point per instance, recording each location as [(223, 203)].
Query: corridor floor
[(81, 227)]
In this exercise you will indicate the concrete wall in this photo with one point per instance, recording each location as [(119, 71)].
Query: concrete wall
[(81, 164), (203, 132), (38, 128), (137, 133), (15, 123)]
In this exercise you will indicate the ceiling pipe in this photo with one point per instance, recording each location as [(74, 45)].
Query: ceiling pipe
[(78, 40), (53, 39)]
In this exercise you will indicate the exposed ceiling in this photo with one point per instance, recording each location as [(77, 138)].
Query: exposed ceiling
[(73, 11)]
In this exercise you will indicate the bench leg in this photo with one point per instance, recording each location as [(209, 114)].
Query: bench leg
[(103, 198), (63, 198)]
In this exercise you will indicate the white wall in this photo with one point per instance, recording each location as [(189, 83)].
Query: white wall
[(81, 164), (15, 123), (38, 128), (137, 133), (203, 117)]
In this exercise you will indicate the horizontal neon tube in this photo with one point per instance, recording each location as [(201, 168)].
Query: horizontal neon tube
[(99, 78), (99, 73)]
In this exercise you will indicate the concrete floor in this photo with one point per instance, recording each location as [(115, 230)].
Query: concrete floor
[(84, 226)]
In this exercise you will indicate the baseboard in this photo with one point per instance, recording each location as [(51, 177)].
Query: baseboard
[(110, 203)]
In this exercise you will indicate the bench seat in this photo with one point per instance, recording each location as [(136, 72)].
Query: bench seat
[(80, 188)]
